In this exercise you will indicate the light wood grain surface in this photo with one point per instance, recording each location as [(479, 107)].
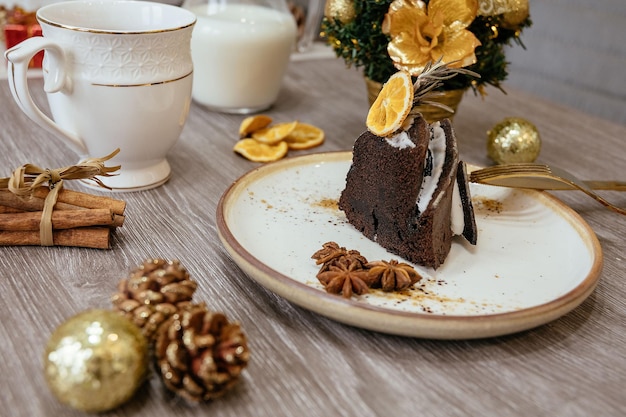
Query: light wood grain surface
[(303, 363)]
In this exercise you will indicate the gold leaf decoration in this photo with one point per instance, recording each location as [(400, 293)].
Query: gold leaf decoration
[(423, 33)]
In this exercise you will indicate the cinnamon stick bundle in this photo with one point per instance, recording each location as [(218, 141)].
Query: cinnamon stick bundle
[(34, 214), (78, 219)]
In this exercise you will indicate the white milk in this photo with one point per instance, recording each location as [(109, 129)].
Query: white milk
[(240, 55)]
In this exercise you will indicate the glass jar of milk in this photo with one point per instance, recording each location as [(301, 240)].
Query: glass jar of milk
[(240, 51)]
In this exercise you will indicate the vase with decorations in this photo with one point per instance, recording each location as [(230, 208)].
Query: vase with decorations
[(384, 36)]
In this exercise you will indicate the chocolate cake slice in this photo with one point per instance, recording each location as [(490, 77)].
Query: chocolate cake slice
[(399, 191), (373, 204)]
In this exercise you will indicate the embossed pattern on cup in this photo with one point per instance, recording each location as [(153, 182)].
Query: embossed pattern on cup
[(125, 59)]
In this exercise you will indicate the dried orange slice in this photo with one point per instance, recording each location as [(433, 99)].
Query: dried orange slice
[(274, 134), (260, 152), (305, 136), (251, 124), (392, 105)]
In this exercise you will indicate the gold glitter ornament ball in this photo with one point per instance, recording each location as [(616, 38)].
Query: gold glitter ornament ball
[(513, 140), (342, 10), (96, 360), (516, 14)]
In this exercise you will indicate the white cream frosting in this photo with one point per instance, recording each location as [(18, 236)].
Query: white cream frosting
[(401, 140), (437, 147), (457, 218)]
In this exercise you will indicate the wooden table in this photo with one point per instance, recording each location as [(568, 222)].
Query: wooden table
[(303, 363)]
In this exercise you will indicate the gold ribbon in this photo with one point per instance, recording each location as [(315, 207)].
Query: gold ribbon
[(28, 177)]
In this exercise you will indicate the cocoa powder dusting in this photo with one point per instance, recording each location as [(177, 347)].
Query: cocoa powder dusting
[(329, 203), (487, 204)]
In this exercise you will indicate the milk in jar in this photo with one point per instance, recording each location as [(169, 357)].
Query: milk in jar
[(240, 54)]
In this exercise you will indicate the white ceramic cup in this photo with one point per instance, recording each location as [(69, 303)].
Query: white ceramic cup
[(240, 51), (118, 74)]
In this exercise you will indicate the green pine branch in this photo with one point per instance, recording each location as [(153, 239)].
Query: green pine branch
[(362, 44)]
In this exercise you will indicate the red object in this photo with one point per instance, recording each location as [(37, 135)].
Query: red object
[(15, 33)]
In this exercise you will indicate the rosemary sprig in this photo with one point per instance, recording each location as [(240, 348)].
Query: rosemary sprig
[(433, 77)]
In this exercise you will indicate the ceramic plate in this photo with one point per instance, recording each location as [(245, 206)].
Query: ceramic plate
[(535, 260)]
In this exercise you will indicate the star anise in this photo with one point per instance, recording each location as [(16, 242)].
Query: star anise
[(332, 254), (345, 278), (392, 275)]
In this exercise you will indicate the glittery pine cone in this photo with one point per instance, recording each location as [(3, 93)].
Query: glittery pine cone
[(153, 292), (199, 354)]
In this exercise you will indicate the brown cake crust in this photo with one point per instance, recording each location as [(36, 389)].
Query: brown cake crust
[(381, 192)]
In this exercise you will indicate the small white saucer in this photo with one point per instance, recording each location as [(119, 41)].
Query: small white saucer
[(128, 179)]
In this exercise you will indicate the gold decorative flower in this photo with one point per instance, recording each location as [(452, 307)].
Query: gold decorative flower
[(422, 33)]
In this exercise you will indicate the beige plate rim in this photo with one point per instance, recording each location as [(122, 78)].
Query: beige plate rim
[(359, 314)]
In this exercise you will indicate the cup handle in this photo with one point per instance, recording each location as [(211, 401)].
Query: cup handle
[(56, 80)]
